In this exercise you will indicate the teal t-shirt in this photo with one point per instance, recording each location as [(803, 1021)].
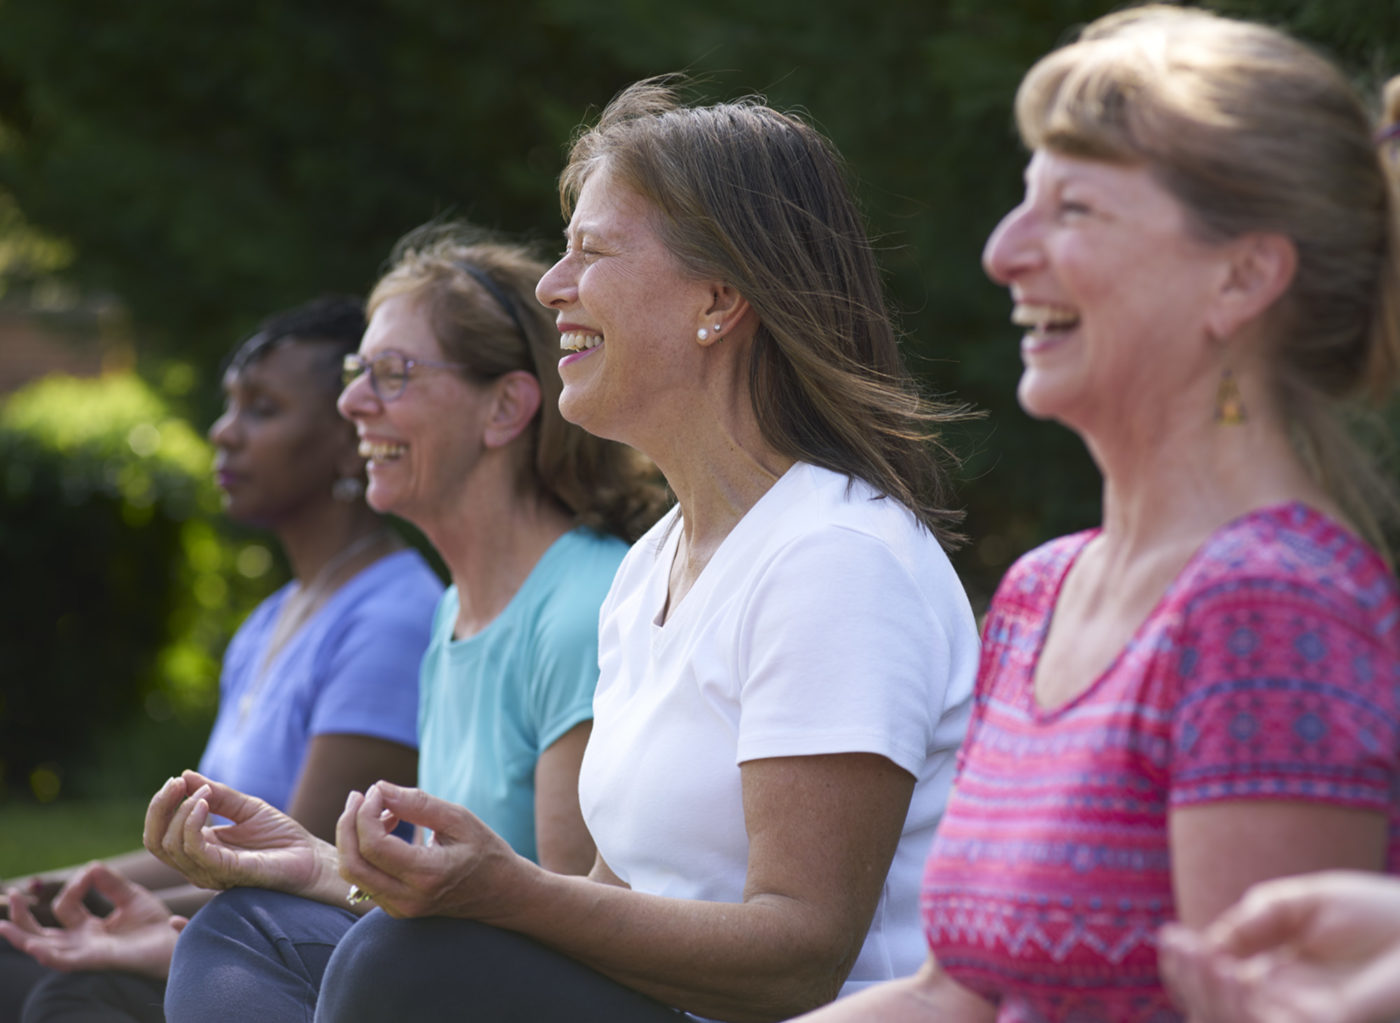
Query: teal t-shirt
[(489, 705)]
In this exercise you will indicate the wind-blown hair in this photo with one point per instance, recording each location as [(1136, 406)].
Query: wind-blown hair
[(758, 199), (604, 485)]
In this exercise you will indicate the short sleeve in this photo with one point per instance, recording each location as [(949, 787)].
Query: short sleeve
[(565, 663), (1284, 693), (843, 650), (368, 667)]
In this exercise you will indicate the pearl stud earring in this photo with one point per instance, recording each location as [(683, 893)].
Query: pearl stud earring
[(702, 333)]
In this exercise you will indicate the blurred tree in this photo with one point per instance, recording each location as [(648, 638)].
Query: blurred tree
[(210, 161), (119, 587)]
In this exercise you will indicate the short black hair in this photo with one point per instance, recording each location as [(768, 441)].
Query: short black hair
[(338, 320)]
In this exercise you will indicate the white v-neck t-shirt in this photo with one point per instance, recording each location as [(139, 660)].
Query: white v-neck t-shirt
[(828, 621)]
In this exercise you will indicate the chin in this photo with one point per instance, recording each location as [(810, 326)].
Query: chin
[(1035, 398), (380, 499)]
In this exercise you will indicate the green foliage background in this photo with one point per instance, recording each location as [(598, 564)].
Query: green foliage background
[(207, 162), (121, 587)]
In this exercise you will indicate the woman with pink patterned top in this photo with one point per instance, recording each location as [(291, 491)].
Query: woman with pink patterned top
[(1204, 691)]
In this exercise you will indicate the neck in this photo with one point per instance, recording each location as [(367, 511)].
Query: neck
[(315, 540), (1190, 478), (490, 545), (722, 464)]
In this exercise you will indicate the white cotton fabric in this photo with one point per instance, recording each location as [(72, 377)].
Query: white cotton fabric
[(828, 621)]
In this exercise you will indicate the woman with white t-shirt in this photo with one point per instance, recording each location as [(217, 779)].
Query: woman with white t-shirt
[(785, 659)]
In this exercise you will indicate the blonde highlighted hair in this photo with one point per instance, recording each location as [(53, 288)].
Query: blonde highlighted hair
[(499, 328), (1255, 132)]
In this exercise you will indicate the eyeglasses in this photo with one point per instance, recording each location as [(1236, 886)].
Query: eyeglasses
[(388, 371)]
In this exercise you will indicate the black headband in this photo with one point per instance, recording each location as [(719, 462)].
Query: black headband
[(498, 293)]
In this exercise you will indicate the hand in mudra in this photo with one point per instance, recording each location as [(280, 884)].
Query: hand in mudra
[(137, 936), (467, 870), (261, 847)]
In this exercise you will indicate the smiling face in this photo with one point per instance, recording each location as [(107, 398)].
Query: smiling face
[(629, 316), (423, 445), (279, 445), (1114, 290)]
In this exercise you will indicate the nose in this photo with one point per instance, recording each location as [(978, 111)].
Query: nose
[(1013, 246), (222, 433), (559, 285), (357, 399)]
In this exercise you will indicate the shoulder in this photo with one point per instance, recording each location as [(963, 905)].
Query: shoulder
[(578, 569), (1035, 577), (570, 583), (395, 596), (1294, 558), (401, 580), (815, 506), (832, 545)]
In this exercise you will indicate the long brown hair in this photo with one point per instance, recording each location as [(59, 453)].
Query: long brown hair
[(758, 199)]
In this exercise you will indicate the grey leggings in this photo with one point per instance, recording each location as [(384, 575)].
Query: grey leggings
[(268, 957)]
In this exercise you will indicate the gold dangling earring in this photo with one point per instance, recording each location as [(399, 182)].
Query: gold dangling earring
[(1229, 406)]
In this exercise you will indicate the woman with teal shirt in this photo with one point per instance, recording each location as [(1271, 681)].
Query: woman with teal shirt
[(454, 396)]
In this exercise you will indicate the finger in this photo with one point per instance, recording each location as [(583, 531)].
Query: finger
[(376, 843), (68, 908), (159, 812), (14, 934), (173, 840), (21, 915), (114, 887), (225, 800), (353, 867), (419, 808), (1177, 956), (1271, 915), (345, 838), (193, 837)]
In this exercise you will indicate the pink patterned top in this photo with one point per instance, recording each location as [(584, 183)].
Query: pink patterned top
[(1269, 670)]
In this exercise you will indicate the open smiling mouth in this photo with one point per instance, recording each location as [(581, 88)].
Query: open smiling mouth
[(1044, 319), (579, 340), (379, 451)]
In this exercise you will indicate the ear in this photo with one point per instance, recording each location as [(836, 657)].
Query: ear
[(1258, 270), (726, 308), (515, 400)]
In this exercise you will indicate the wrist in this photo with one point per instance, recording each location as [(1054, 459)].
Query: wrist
[(326, 884)]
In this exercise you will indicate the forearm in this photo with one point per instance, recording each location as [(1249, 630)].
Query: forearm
[(764, 959), (140, 867), (137, 866)]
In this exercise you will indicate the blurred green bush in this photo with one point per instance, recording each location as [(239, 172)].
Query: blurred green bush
[(121, 588)]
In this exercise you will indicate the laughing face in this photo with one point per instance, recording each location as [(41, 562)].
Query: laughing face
[(628, 316), (1112, 286), (423, 444)]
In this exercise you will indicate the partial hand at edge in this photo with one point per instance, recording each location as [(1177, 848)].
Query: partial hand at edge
[(1315, 947), (138, 936)]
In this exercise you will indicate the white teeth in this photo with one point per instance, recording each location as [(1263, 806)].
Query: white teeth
[(1043, 317), (579, 340), (378, 451)]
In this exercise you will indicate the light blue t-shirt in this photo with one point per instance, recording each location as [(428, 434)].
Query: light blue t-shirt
[(492, 703), (352, 669)]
